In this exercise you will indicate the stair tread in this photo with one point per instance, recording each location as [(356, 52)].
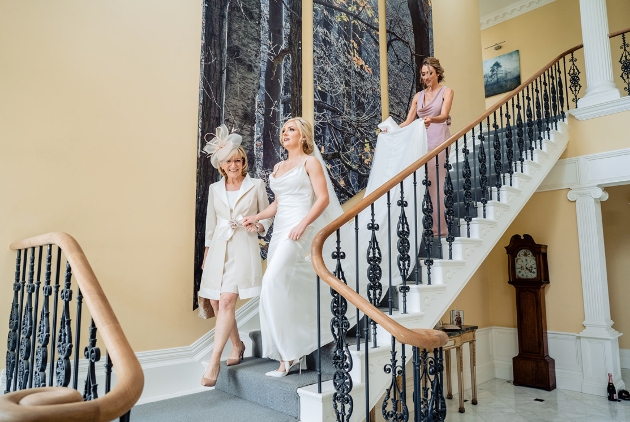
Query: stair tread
[(222, 405), (248, 381)]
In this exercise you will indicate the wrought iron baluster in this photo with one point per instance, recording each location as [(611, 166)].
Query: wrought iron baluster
[(467, 187), (53, 344), (93, 355), (404, 247), (35, 309), (574, 79), (560, 91), (415, 226), (356, 278), (26, 330), (474, 168), (483, 169), (624, 60), (543, 78), (108, 373), (390, 299), (554, 96), (519, 132), (374, 272), (457, 172), (530, 124), (394, 406), (502, 145), (43, 330), (77, 341), (64, 337), (498, 164), (14, 321), (427, 223), (342, 359), (539, 122), (449, 213), (438, 214), (319, 335), (509, 144), (366, 355), (431, 405)]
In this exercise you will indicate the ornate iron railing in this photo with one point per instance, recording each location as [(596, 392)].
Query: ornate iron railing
[(45, 358), (473, 168)]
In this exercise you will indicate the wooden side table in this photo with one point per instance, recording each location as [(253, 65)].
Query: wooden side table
[(456, 340)]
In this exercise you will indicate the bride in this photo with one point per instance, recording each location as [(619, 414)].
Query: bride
[(288, 319)]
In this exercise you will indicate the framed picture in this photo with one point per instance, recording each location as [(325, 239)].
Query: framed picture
[(501, 74), (457, 317)]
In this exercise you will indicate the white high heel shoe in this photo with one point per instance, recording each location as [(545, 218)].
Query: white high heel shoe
[(278, 374)]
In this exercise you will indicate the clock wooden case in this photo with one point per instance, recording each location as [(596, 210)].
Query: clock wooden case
[(528, 272)]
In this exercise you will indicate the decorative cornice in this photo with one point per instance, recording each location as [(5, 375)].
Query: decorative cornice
[(603, 109), (511, 11)]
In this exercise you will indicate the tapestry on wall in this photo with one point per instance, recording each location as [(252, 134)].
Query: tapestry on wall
[(409, 41), (347, 89), (250, 51)]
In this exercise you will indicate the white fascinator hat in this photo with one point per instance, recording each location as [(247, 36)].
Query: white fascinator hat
[(221, 146)]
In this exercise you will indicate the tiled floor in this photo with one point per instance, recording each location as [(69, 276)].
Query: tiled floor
[(499, 400)]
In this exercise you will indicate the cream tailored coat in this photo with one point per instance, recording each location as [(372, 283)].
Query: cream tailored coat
[(239, 263)]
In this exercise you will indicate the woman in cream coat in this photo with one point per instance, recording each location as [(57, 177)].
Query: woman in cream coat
[(232, 263)]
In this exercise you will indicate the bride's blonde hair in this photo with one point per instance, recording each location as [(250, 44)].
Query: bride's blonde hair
[(306, 132)]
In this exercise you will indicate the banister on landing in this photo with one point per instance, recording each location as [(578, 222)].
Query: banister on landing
[(35, 341)]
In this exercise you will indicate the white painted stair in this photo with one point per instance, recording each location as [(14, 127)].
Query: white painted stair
[(427, 303)]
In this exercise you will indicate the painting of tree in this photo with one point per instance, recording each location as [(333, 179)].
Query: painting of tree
[(409, 41), (347, 89), (250, 80)]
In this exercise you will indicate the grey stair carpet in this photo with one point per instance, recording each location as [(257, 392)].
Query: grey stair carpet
[(248, 381), (212, 405)]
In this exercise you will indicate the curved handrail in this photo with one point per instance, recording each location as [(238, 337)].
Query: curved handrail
[(56, 404), (401, 333)]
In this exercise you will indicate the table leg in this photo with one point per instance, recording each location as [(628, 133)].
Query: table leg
[(460, 377), (473, 370), (447, 364)]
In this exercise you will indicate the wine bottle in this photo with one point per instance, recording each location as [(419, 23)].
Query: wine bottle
[(612, 392)]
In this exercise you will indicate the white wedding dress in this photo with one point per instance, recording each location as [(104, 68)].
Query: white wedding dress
[(288, 311), (288, 314)]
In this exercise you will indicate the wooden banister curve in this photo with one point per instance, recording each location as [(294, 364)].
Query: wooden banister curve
[(419, 338), (57, 404)]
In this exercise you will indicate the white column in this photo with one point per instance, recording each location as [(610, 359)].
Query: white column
[(599, 341), (600, 85)]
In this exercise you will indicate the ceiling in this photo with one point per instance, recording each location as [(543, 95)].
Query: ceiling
[(487, 7)]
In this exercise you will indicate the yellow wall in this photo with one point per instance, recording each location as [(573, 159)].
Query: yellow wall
[(488, 299), (98, 129), (603, 134), (615, 213), (457, 36), (544, 33)]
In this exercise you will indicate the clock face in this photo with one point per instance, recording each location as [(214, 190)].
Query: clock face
[(525, 263)]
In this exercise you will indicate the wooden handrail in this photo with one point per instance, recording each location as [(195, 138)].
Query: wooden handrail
[(402, 334), (57, 404)]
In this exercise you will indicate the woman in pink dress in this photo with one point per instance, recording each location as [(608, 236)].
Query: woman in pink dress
[(433, 105)]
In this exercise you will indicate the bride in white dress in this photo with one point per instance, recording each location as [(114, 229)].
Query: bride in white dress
[(288, 316)]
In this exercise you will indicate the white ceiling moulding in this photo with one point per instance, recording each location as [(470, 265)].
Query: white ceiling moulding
[(511, 11)]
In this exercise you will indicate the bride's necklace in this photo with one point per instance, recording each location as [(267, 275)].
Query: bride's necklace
[(291, 162)]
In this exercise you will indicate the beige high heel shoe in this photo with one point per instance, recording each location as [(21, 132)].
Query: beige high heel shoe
[(236, 361), (209, 382)]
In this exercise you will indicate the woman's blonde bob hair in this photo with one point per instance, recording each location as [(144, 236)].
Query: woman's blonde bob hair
[(306, 134), (435, 64), (241, 153)]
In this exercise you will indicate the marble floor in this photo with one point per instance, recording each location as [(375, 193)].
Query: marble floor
[(499, 400)]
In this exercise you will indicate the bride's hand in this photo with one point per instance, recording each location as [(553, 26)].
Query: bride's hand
[(296, 232), (249, 220)]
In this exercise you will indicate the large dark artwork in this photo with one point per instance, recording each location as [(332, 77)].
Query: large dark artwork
[(251, 80), (409, 41), (347, 89)]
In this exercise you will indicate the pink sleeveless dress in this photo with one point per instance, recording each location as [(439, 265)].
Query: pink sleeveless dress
[(436, 132)]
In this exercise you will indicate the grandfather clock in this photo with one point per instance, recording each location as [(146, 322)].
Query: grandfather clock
[(529, 273)]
